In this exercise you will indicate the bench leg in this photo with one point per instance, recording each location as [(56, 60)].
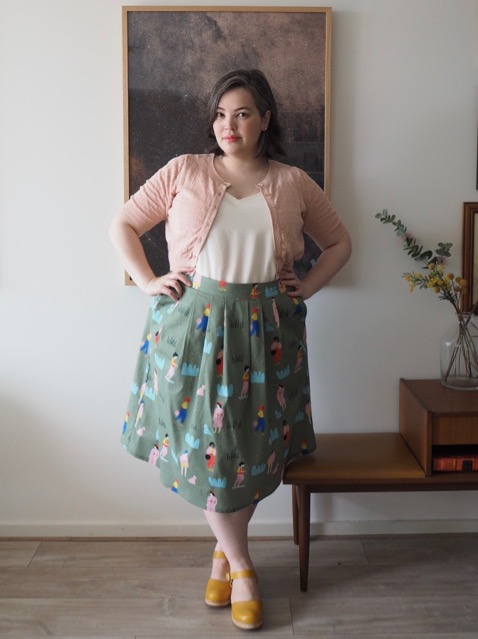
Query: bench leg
[(295, 514), (304, 535)]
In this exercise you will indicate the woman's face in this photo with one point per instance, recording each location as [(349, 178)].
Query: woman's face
[(239, 124)]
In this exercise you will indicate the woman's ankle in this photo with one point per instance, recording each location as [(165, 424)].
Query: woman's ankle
[(220, 567), (244, 588)]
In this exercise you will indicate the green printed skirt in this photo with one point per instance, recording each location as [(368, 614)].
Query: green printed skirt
[(220, 400)]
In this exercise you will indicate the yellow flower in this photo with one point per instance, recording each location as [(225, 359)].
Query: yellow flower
[(449, 276)]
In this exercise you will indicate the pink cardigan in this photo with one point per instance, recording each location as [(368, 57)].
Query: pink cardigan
[(187, 192)]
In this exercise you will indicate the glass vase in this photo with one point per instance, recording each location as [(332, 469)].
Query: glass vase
[(459, 354)]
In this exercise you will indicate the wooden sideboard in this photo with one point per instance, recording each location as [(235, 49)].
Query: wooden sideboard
[(433, 421)]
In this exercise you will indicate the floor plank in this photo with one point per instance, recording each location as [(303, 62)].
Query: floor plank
[(441, 549), (17, 554), (378, 616)]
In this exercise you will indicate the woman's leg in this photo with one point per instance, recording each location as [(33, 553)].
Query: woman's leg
[(231, 532)]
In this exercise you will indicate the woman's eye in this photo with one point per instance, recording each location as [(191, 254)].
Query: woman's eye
[(243, 114)]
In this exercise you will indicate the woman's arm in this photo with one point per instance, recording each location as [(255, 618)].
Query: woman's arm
[(331, 260), (125, 239)]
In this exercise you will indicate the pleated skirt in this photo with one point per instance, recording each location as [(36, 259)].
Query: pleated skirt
[(220, 400)]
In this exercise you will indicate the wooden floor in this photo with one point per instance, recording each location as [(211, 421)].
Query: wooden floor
[(373, 588)]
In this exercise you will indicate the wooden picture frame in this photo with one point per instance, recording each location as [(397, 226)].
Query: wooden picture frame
[(172, 57), (470, 254)]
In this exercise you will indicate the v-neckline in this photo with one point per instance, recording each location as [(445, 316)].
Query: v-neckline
[(241, 199)]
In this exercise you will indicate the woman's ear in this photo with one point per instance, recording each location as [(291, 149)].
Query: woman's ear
[(265, 120)]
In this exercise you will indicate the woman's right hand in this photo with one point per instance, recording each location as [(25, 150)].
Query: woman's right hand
[(172, 284)]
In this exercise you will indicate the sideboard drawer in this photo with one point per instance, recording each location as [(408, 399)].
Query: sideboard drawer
[(454, 430)]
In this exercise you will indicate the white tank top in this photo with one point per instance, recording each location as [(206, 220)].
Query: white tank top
[(240, 244)]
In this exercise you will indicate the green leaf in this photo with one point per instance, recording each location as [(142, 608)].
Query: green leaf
[(444, 249)]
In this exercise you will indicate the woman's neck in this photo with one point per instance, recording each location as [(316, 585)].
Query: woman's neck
[(243, 175), (250, 165)]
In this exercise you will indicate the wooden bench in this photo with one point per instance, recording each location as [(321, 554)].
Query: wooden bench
[(357, 462)]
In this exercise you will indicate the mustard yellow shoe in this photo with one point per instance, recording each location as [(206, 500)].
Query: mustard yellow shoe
[(218, 593), (246, 615)]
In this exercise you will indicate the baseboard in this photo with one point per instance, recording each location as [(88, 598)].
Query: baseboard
[(122, 530), (400, 527)]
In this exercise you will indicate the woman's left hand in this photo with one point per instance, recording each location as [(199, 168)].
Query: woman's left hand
[(298, 287), (330, 261)]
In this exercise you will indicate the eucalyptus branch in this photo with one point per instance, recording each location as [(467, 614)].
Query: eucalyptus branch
[(410, 244)]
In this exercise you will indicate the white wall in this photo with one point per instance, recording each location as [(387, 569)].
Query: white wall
[(404, 126)]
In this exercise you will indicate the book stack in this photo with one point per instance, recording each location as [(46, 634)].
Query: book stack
[(455, 463)]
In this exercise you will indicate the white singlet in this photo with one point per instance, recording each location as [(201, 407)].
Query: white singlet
[(240, 244)]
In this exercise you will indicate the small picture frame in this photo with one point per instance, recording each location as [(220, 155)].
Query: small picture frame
[(470, 254)]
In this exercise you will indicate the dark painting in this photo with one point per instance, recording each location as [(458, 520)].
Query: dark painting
[(173, 58)]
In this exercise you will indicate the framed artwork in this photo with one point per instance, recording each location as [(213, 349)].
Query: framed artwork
[(470, 254), (173, 56)]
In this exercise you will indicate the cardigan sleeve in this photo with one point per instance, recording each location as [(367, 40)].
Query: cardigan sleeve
[(150, 204), (321, 221)]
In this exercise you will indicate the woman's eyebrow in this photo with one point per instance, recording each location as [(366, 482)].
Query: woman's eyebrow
[(244, 108)]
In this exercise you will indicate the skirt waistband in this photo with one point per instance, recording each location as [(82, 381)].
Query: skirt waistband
[(232, 290)]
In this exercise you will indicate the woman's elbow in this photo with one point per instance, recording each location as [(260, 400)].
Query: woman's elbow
[(118, 228), (344, 247), (348, 245)]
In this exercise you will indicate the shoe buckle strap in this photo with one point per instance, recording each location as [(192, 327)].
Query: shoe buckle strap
[(241, 574)]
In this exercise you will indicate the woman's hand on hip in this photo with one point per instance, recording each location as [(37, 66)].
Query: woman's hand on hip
[(298, 288), (172, 284)]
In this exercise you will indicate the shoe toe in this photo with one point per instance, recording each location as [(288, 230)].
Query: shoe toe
[(247, 614), (218, 593)]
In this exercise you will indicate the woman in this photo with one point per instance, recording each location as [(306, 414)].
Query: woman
[(234, 221)]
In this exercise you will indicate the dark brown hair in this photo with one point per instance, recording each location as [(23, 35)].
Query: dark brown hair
[(269, 144)]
